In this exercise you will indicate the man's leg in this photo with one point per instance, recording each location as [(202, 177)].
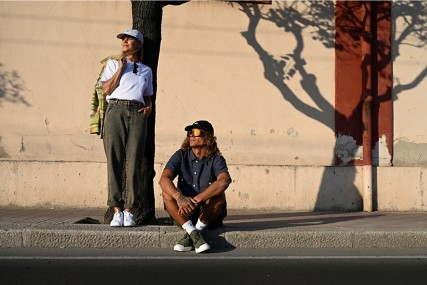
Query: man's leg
[(186, 243), (212, 212), (192, 236), (172, 208)]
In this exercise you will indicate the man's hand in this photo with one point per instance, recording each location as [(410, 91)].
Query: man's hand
[(186, 206)]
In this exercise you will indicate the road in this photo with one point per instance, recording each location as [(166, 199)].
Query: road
[(238, 266)]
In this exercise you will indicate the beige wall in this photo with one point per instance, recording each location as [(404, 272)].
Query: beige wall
[(276, 153), (53, 48), (207, 70), (410, 104)]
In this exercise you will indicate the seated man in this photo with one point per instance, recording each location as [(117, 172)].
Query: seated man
[(202, 179)]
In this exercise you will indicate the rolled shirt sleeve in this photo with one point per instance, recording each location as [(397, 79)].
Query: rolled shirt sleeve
[(110, 69)]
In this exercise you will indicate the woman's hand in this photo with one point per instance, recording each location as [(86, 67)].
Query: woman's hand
[(148, 106), (146, 111), (122, 64), (111, 84)]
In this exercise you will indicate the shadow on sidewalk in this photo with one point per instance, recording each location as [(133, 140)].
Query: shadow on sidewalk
[(257, 222), (254, 221), (267, 221)]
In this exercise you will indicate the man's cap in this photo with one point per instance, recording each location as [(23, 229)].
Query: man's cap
[(203, 125), (133, 33)]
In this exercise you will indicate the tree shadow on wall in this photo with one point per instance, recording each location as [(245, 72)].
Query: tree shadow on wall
[(337, 190), (11, 87), (414, 15)]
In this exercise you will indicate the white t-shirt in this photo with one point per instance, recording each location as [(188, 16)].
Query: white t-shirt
[(132, 86)]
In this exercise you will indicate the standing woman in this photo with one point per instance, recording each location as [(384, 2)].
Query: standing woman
[(128, 86)]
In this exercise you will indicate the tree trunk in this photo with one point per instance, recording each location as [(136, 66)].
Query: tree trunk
[(147, 18)]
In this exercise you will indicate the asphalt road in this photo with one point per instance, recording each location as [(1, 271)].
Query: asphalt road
[(260, 266)]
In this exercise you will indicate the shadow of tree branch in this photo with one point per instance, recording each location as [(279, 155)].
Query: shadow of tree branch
[(277, 71), (11, 86), (295, 16), (320, 17), (414, 15)]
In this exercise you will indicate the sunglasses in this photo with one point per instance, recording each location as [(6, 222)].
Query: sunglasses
[(196, 133)]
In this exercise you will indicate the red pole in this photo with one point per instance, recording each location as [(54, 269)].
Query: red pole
[(367, 156), (367, 131), (367, 61)]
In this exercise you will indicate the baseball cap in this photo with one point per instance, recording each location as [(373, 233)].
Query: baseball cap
[(133, 33), (203, 125)]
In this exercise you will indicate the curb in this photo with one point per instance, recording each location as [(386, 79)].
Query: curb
[(166, 236)]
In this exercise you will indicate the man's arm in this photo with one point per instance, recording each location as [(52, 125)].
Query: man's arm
[(185, 204), (216, 188), (166, 183)]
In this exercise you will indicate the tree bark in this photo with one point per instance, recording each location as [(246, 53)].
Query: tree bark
[(147, 18)]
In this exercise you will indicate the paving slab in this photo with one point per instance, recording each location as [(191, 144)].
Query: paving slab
[(64, 228)]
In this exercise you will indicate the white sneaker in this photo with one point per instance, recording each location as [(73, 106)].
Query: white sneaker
[(128, 219), (117, 219)]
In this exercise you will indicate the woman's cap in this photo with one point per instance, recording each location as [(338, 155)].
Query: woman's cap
[(133, 33), (203, 125)]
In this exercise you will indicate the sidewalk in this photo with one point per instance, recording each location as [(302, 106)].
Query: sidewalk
[(242, 229)]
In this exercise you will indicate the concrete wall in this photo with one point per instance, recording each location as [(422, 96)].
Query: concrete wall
[(49, 63), (209, 60), (280, 149), (76, 184), (409, 93)]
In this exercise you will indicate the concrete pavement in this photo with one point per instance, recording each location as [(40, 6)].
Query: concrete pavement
[(61, 228)]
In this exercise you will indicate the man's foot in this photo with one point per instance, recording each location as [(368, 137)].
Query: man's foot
[(128, 220), (117, 219), (184, 244), (199, 243)]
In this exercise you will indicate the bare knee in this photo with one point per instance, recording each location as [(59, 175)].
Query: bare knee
[(216, 201), (212, 208)]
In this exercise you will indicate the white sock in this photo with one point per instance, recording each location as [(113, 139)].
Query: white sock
[(188, 227), (200, 225)]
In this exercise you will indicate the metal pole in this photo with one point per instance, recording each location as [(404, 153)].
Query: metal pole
[(367, 61), (367, 155)]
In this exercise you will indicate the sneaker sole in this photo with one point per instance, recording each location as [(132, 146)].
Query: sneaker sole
[(115, 225), (129, 225), (181, 248), (202, 248)]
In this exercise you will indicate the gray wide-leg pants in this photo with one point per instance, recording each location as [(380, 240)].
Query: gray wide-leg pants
[(125, 131)]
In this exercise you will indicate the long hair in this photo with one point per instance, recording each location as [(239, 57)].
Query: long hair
[(210, 143), (139, 53)]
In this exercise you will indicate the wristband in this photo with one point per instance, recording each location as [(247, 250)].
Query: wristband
[(177, 193)]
